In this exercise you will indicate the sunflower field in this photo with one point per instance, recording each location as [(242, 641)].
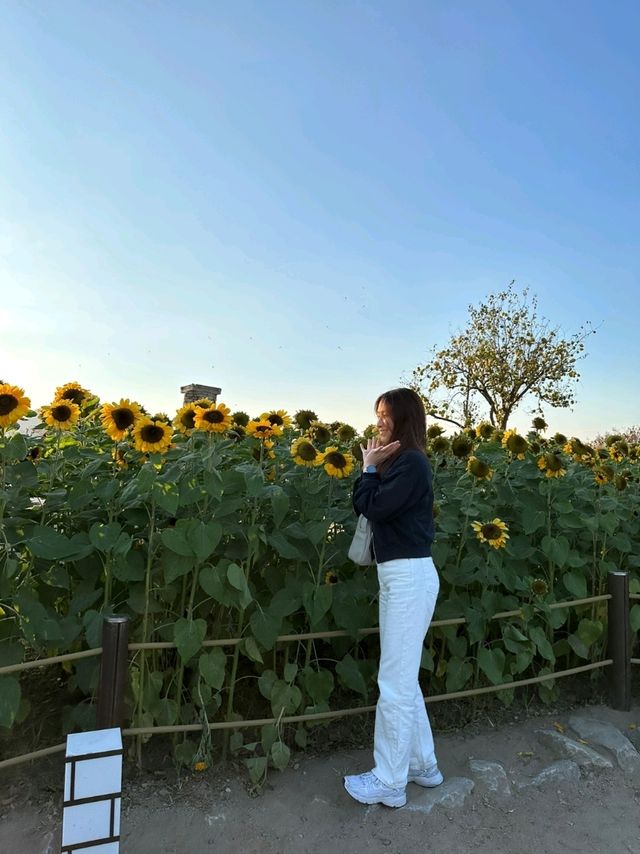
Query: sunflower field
[(213, 525)]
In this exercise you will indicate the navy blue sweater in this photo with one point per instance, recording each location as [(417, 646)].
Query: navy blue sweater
[(399, 505)]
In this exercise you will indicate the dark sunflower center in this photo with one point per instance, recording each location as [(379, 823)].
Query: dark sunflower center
[(61, 412), (152, 433), (123, 418), (307, 452), (516, 444), (479, 468), (263, 428), (552, 462), (188, 419), (491, 532), (213, 416), (336, 459), (75, 395), (276, 419), (7, 403)]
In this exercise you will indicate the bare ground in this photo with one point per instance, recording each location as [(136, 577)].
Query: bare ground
[(305, 810)]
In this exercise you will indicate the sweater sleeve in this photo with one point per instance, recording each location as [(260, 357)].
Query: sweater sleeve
[(380, 500)]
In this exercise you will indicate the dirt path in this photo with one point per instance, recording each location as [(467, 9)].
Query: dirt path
[(306, 811)]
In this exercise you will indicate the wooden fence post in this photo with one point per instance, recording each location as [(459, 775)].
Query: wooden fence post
[(619, 641), (113, 672)]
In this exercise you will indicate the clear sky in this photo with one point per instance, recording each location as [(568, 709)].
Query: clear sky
[(295, 199)]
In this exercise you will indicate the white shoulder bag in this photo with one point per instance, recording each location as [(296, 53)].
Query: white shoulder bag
[(361, 551)]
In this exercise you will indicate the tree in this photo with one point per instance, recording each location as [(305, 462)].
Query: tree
[(504, 355)]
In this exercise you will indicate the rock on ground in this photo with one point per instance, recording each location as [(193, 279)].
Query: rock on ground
[(566, 748), (609, 736), (563, 771), (490, 777)]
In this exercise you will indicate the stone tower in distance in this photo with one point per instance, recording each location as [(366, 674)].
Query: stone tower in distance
[(195, 391)]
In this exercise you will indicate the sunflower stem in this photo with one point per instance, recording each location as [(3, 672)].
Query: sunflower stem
[(309, 648), (463, 536), (145, 627), (236, 650)]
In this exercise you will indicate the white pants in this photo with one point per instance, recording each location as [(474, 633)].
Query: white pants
[(408, 592)]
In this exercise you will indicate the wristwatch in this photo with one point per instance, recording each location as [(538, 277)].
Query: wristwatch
[(371, 470)]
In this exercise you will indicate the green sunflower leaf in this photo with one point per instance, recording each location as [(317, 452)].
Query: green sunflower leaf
[(459, 673), (212, 666), (9, 700), (491, 662), (280, 755), (350, 675), (188, 636)]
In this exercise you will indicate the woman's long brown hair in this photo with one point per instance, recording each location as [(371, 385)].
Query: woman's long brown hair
[(409, 421)]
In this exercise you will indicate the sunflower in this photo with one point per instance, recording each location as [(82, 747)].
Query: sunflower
[(203, 402), (240, 418), (539, 587), (200, 767), (330, 577), (613, 439), (440, 445), (539, 424), (118, 418), (336, 463), (277, 417), (560, 439), (516, 445), (304, 453), (13, 404), (461, 446), (260, 428), (319, 432), (61, 414), (356, 450), (304, 418), (551, 465), (151, 437), (34, 454), (346, 433), (119, 457), (73, 392), (495, 533), (601, 477), (434, 430), (480, 469), (484, 430), (185, 420), (213, 419), (616, 454), (620, 482), (370, 431)]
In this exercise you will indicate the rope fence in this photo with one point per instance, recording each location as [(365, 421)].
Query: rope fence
[(158, 645), (317, 716), (115, 648)]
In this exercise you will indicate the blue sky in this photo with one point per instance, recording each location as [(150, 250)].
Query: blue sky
[(295, 200)]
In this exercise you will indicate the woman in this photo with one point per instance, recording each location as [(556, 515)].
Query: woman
[(395, 493)]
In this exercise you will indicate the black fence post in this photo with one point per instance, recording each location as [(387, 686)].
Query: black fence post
[(619, 641), (113, 672)]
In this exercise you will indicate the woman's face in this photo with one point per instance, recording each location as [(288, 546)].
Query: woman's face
[(385, 423)]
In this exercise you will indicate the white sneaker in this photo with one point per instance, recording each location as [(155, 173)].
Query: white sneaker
[(429, 778), (367, 789)]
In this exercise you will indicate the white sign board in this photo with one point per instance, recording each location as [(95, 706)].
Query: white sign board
[(92, 792)]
